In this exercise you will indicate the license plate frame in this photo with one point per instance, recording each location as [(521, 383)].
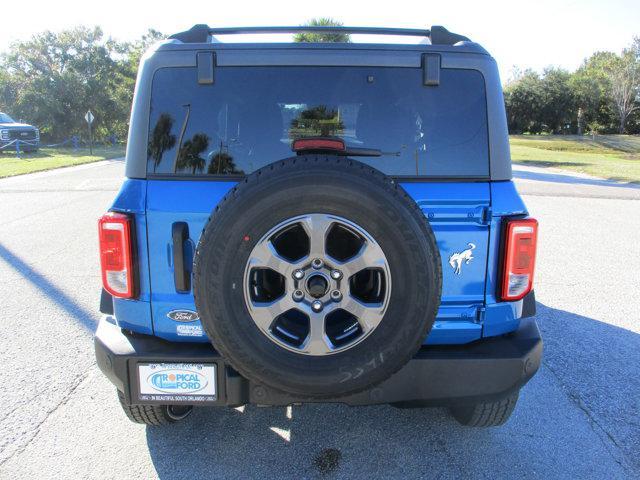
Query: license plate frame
[(176, 382)]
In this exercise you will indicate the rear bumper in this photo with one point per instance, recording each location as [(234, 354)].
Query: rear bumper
[(489, 369)]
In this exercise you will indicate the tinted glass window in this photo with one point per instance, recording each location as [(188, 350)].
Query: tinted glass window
[(249, 117)]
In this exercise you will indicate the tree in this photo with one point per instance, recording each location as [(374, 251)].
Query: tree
[(222, 164), (607, 87), (594, 128), (605, 90), (189, 155), (523, 101), (317, 121), (558, 112), (590, 86), (52, 79), (538, 104), (59, 76), (308, 37), (130, 54), (624, 77), (134, 50), (7, 90), (161, 139)]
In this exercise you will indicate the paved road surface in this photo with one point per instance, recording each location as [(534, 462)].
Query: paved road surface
[(577, 418)]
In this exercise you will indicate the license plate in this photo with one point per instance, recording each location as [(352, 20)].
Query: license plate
[(177, 382)]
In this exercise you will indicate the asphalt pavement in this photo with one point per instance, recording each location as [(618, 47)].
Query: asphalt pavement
[(578, 418)]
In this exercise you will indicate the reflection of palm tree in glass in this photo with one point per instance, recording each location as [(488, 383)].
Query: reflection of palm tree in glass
[(189, 155), (222, 164), (161, 139), (317, 121)]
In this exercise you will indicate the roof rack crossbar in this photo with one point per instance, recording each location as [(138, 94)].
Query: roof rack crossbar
[(202, 33), (319, 29)]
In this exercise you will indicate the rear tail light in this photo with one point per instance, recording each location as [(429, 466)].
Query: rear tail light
[(116, 259), (519, 258)]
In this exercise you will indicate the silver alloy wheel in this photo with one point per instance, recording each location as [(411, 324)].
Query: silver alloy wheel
[(337, 301)]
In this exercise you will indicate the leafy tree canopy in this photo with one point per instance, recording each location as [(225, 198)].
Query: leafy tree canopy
[(52, 79), (306, 37), (603, 91)]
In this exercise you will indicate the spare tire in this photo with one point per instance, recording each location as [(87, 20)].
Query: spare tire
[(317, 276)]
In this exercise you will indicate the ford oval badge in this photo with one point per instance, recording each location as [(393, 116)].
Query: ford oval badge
[(183, 315)]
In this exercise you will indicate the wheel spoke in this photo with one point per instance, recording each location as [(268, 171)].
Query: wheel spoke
[(317, 343), (371, 256), (369, 315), (264, 255), (282, 319), (317, 227), (264, 313)]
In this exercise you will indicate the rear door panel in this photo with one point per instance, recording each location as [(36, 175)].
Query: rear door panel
[(457, 212), (459, 215), (170, 201)]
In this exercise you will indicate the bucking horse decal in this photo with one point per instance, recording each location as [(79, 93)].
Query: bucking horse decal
[(456, 259)]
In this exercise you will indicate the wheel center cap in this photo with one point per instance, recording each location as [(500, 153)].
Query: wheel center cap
[(317, 286)]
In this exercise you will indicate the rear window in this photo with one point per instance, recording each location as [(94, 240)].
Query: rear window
[(250, 116)]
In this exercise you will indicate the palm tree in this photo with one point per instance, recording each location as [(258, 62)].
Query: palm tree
[(161, 139), (308, 37), (222, 164), (189, 155)]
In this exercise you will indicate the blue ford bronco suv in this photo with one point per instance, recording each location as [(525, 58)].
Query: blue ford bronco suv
[(318, 222)]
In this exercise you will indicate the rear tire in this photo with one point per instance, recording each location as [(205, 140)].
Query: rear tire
[(155, 415), (328, 186), (487, 414)]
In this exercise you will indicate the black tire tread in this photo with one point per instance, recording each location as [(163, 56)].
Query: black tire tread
[(244, 359), (155, 415), (486, 414)]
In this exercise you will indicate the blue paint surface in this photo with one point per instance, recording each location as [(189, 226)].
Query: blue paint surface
[(135, 314), (169, 202), (459, 213)]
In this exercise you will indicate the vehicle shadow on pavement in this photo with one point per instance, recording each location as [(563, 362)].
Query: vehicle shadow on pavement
[(576, 418), (82, 316)]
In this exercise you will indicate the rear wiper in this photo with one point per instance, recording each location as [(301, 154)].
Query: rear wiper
[(366, 152)]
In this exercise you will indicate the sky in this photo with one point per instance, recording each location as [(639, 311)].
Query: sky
[(517, 33)]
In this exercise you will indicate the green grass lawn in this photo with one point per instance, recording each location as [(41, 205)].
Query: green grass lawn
[(616, 157), (48, 158)]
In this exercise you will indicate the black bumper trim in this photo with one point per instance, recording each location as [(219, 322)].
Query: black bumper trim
[(529, 305), (106, 302), (485, 370)]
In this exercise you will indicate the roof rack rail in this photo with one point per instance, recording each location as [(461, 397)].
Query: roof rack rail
[(202, 33)]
